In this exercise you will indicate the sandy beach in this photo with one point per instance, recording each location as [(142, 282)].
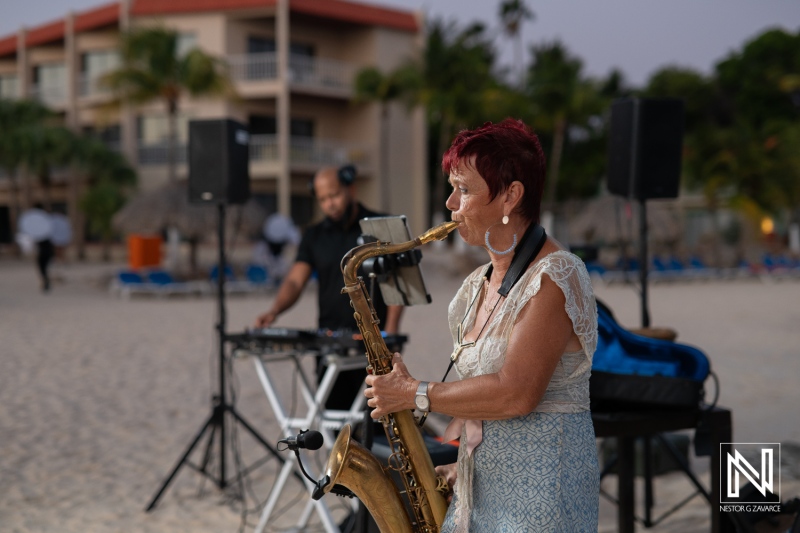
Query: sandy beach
[(99, 396)]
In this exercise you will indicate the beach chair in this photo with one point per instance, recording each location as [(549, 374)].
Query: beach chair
[(233, 285), (660, 270), (257, 276), (128, 282), (166, 285), (780, 266), (697, 269)]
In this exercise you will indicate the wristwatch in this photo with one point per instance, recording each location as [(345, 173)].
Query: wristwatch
[(421, 400)]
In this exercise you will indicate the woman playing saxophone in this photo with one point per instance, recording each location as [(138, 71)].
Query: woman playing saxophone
[(527, 460)]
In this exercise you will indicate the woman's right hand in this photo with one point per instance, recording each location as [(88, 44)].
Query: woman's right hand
[(449, 473)]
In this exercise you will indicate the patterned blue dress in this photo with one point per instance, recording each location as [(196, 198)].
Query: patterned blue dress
[(539, 472)]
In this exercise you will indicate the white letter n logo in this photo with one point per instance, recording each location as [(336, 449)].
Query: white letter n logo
[(737, 463)]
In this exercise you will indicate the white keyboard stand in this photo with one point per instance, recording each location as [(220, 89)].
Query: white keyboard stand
[(325, 421)]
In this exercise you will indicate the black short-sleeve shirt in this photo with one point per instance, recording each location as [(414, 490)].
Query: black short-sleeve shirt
[(323, 246)]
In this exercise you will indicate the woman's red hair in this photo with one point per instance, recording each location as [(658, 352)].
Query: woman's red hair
[(505, 152)]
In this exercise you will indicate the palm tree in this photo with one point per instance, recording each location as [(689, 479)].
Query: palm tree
[(18, 121), (512, 14), (32, 140), (453, 80), (111, 178), (562, 98), (372, 85), (153, 69)]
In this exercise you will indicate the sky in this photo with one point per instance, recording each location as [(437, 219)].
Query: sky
[(635, 36)]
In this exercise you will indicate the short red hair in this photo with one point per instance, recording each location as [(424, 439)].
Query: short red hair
[(504, 153)]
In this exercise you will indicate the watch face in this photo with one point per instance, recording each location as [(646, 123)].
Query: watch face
[(422, 402)]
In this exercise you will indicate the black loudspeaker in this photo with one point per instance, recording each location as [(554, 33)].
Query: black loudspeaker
[(644, 157), (219, 162)]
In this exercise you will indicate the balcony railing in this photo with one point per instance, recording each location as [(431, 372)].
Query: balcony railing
[(90, 86), (158, 153), (320, 73), (308, 151), (49, 95), (254, 67), (317, 73), (264, 148)]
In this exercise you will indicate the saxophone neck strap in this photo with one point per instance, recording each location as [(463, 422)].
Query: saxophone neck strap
[(530, 246)]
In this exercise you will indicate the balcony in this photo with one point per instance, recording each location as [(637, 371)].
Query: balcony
[(307, 73), (158, 153), (308, 152), (50, 95), (9, 87), (89, 86), (253, 67), (304, 152)]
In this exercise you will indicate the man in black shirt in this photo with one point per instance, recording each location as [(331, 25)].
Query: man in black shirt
[(321, 250)]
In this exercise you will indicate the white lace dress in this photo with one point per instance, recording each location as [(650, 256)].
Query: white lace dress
[(538, 472)]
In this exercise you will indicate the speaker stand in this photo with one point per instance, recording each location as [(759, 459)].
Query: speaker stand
[(216, 421), (643, 263)]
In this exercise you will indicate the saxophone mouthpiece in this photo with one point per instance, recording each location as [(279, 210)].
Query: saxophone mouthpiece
[(439, 232)]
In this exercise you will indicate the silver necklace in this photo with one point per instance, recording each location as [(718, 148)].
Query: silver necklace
[(460, 329)]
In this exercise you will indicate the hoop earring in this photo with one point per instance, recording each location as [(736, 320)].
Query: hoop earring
[(500, 252)]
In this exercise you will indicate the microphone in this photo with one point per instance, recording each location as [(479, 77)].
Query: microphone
[(308, 439)]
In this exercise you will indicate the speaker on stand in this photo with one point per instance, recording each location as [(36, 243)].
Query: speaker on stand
[(644, 161), (218, 174)]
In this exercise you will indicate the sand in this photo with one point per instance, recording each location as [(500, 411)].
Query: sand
[(100, 396)]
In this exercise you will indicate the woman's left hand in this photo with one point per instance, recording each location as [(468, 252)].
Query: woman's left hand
[(391, 392)]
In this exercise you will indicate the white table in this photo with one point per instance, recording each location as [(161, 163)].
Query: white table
[(314, 416)]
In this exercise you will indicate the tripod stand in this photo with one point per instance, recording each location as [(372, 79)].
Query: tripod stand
[(216, 421)]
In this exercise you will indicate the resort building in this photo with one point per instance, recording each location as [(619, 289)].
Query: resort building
[(292, 64)]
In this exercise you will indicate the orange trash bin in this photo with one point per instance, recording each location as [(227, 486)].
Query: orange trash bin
[(144, 251)]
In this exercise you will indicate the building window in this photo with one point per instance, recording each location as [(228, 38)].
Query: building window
[(94, 65), (97, 63), (110, 135), (302, 50), (261, 45), (268, 125), (186, 42), (154, 129), (153, 136), (8, 86), (50, 75), (50, 83), (300, 127)]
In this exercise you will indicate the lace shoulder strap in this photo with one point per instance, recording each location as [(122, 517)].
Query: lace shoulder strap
[(569, 273)]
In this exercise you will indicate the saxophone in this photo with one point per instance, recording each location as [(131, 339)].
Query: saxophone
[(353, 466)]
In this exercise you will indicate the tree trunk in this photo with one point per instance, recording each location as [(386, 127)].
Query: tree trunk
[(193, 245), (172, 145), (438, 184), (106, 248), (44, 185), (555, 160), (518, 60), (385, 183), (15, 210), (75, 214), (27, 189)]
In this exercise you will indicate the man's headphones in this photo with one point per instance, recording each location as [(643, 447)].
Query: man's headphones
[(346, 174)]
